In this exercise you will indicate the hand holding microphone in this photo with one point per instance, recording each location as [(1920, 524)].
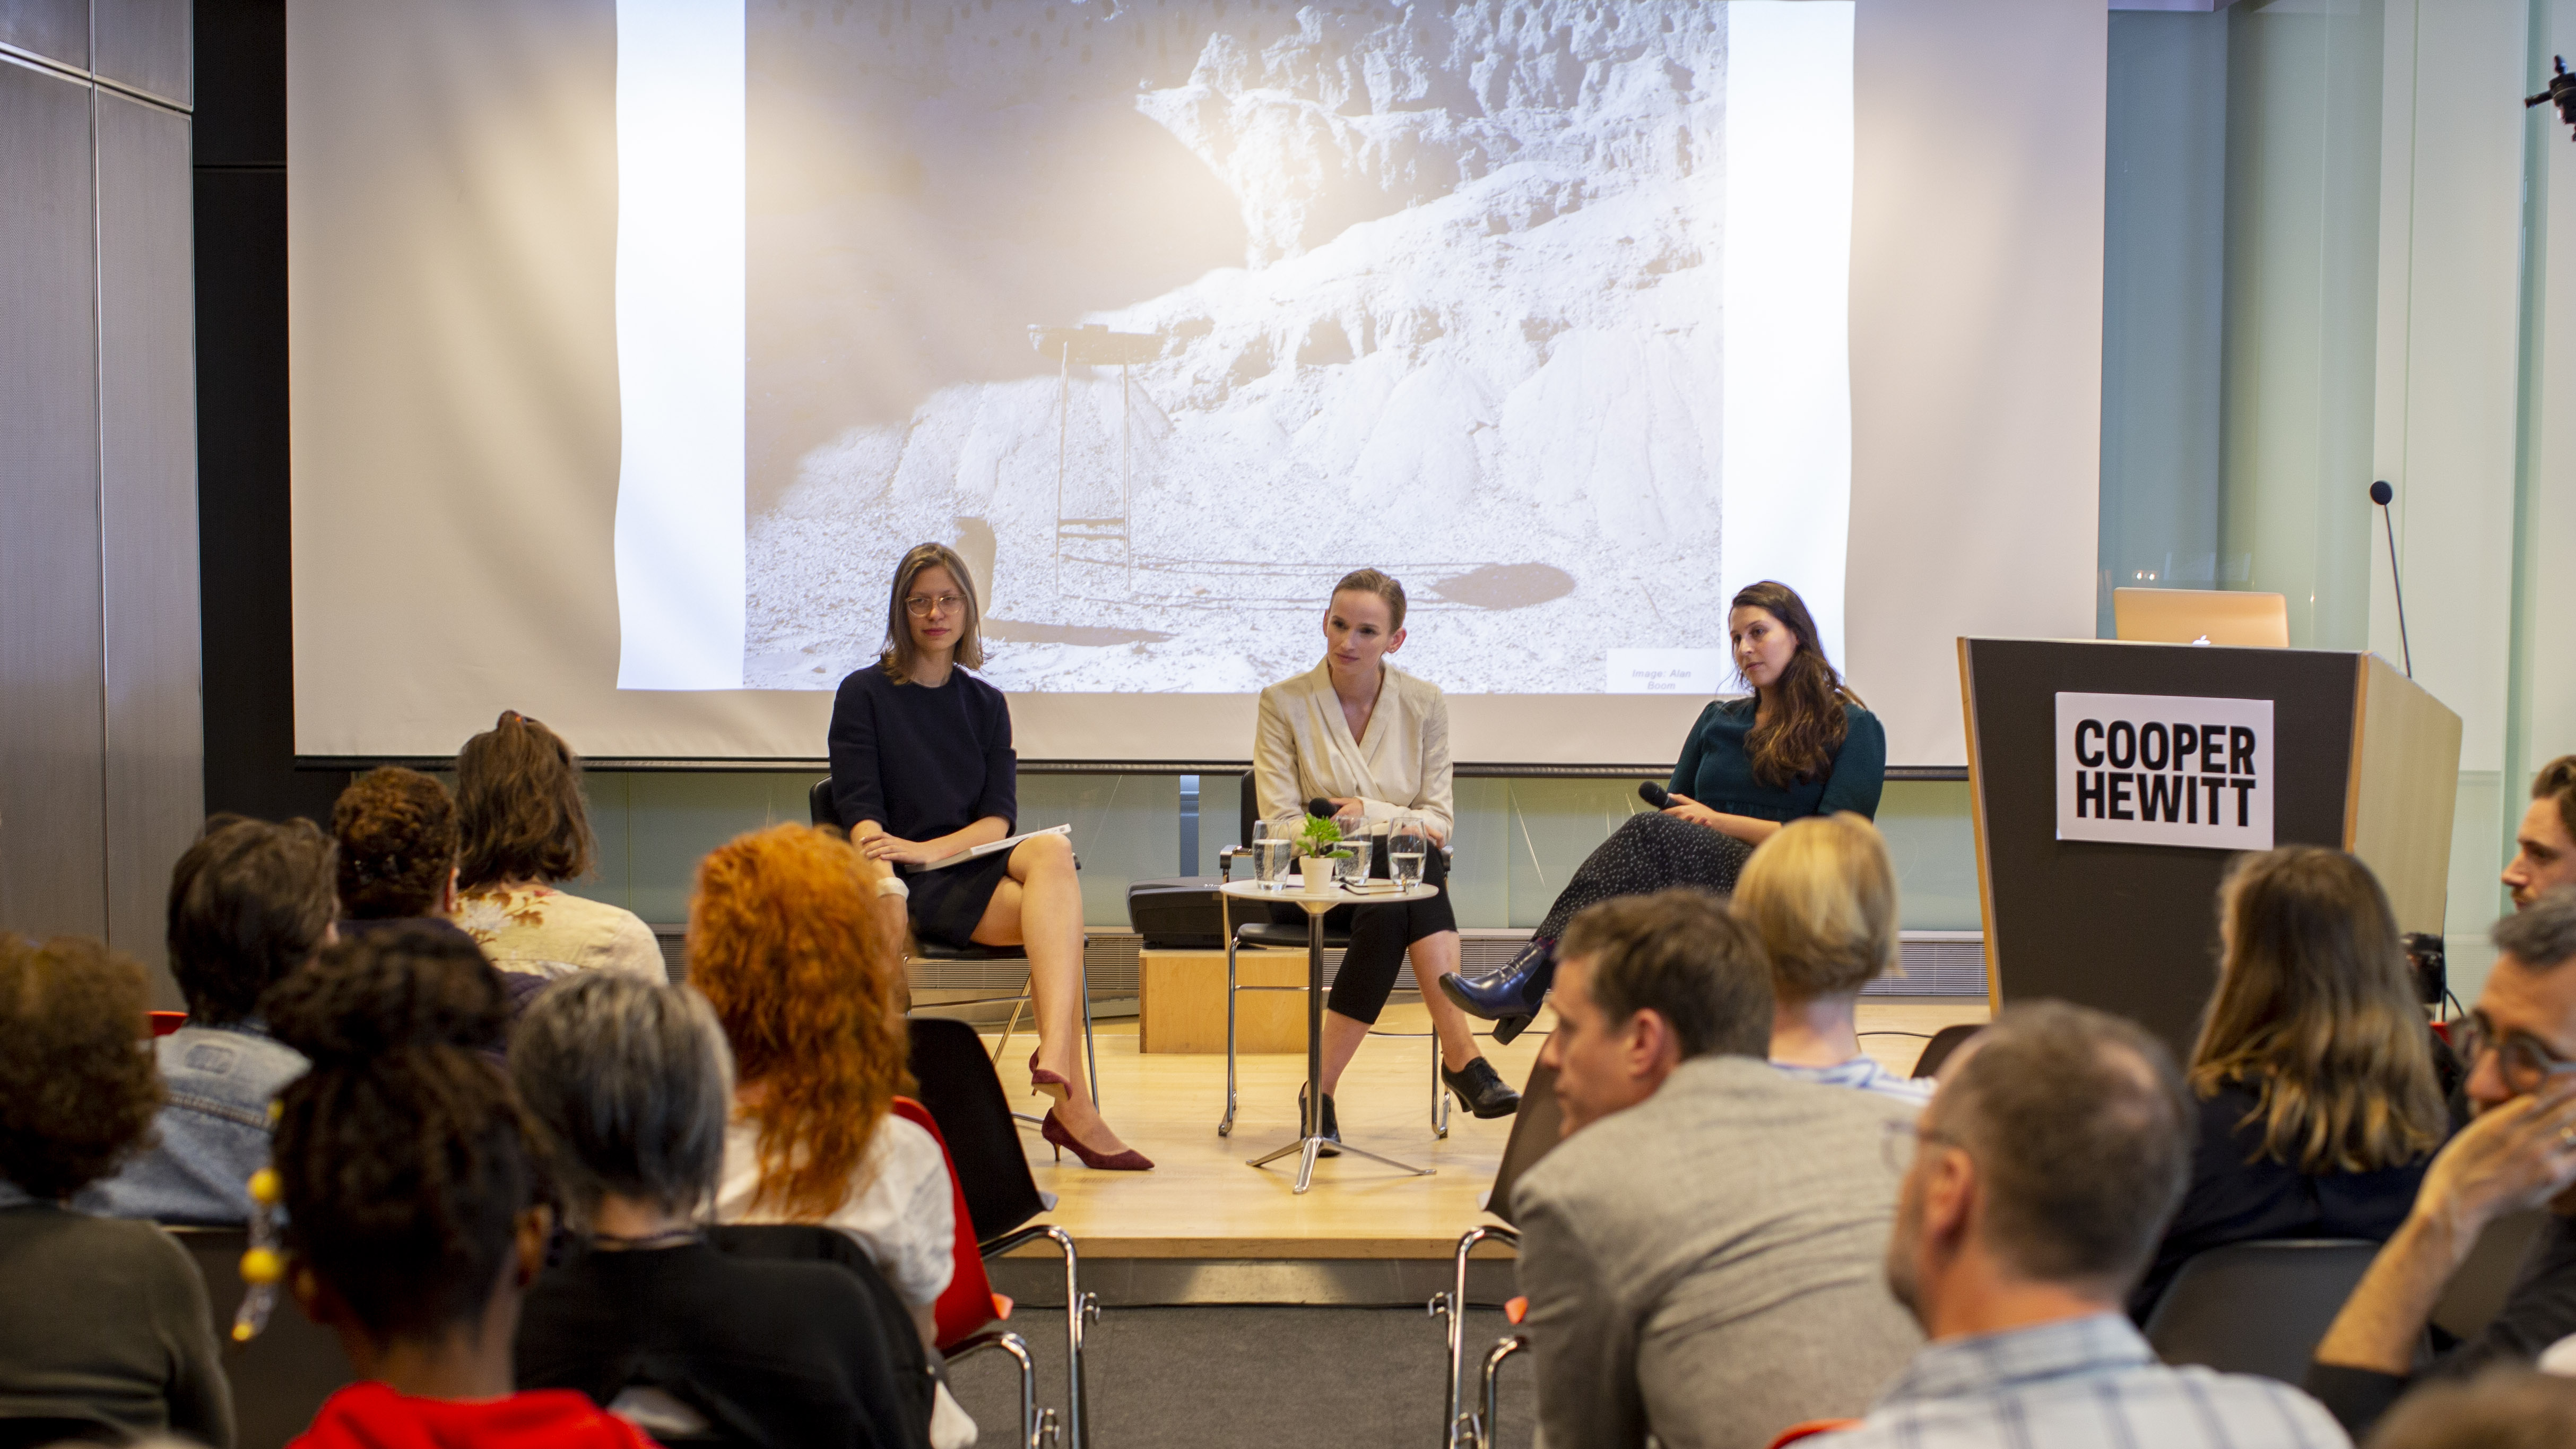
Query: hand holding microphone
[(1680, 807)]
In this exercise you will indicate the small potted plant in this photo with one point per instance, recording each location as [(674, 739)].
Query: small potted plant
[(1319, 846)]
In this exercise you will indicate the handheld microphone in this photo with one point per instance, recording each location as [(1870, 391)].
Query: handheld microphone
[(1655, 795), (2381, 493), (1320, 808)]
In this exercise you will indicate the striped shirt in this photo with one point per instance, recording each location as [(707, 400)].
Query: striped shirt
[(1864, 1073), (2077, 1383)]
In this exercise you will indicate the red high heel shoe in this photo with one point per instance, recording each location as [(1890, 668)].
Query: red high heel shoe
[(1043, 1083), (1130, 1160)]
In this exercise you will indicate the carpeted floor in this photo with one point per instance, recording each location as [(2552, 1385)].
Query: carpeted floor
[(1201, 1377)]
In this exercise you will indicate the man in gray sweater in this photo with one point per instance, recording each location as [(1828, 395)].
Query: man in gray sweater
[(1702, 1253)]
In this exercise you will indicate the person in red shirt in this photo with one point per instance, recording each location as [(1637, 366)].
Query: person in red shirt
[(409, 1174)]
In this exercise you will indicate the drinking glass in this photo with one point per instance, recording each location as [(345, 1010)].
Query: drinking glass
[(1405, 844), (1352, 868), (1274, 845)]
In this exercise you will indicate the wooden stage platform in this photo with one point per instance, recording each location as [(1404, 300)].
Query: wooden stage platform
[(1202, 1202)]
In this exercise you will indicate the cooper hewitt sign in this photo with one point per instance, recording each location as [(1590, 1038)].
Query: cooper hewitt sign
[(2165, 769)]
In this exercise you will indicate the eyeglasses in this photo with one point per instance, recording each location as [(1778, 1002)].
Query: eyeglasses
[(2522, 1059), (922, 606), (1898, 1142)]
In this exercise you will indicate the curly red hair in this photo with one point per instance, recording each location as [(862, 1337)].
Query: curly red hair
[(784, 941)]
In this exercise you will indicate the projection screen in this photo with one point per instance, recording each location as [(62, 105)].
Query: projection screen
[(633, 340)]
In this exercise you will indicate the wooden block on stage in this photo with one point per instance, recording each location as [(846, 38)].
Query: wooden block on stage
[(1181, 1002)]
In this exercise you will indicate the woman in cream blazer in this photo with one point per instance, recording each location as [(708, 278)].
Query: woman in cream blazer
[(1374, 741)]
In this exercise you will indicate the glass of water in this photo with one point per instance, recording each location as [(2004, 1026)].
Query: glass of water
[(1353, 865), (1405, 844), (1274, 844)]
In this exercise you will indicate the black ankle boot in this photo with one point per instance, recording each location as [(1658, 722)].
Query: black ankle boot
[(1510, 997), (1328, 1126), (1481, 1090)]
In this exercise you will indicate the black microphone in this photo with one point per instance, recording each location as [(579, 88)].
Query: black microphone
[(2381, 493), (1320, 807), (1655, 795)]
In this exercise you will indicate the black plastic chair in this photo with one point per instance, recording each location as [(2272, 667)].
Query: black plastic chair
[(2257, 1308), (39, 1433), (1535, 1130), (2470, 1301), (1945, 1041), (280, 1378), (820, 807), (957, 1083), (904, 1360)]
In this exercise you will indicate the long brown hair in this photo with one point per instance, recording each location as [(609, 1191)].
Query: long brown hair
[(900, 657), (519, 807), (2315, 1013), (784, 942), (1807, 721)]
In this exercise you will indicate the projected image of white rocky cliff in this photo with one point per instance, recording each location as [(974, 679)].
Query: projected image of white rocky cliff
[(1166, 315)]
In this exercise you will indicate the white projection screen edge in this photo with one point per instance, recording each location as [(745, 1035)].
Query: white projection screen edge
[(468, 388)]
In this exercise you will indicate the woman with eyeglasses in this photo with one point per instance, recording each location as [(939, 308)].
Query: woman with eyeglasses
[(2314, 1073), (922, 768)]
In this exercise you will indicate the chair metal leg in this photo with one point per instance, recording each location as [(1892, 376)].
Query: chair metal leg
[(1493, 1364), (1452, 1306), (1080, 1310), (1439, 1091), (1225, 1124), (1011, 1344), (1090, 1052)]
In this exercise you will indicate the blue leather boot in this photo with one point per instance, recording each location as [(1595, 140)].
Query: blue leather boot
[(1511, 997)]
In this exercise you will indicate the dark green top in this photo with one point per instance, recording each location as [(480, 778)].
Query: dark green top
[(1715, 770), (105, 1321)]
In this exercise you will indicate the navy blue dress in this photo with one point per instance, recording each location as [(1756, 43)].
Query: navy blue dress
[(924, 763)]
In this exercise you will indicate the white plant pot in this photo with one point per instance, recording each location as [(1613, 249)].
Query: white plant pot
[(1318, 871)]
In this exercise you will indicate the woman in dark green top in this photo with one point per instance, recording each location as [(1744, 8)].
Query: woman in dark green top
[(1801, 744)]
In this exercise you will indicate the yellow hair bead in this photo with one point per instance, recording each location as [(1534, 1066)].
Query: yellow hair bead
[(262, 1266), (276, 1109), (241, 1333), (265, 1189)]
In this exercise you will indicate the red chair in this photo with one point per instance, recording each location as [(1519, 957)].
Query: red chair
[(968, 1305), (1811, 1428), (166, 1022)]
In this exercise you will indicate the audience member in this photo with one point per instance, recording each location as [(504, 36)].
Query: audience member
[(525, 829), (2314, 1073), (634, 1085), (1701, 1251), (782, 940), (411, 1181), (104, 1329), (2038, 1179), (1821, 895), (398, 841), (2519, 1153), (2545, 844), (250, 903), (2503, 1408)]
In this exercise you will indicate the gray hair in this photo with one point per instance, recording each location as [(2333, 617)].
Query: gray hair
[(633, 1081), (2542, 935)]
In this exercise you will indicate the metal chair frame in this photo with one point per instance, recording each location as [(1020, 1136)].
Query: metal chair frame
[(1225, 857), (1471, 1430), (1037, 1428)]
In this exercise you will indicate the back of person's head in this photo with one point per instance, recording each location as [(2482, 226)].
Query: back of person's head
[(249, 903), (2503, 1408), (2542, 938), (76, 1093), (519, 807), (783, 942), (2081, 1134), (1678, 954), (404, 1157), (398, 840), (2316, 1014), (633, 1082), (1822, 896)]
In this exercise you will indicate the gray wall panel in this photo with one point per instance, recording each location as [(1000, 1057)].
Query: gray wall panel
[(51, 839), (145, 44), (54, 29), (155, 776)]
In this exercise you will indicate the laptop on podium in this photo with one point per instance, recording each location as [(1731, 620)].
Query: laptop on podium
[(2202, 616)]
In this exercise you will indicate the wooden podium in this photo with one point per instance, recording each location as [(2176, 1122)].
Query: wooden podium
[(2362, 758)]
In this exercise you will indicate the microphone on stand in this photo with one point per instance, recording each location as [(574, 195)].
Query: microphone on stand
[(1655, 795), (2381, 493)]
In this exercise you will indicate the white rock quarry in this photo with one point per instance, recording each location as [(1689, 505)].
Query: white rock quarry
[(1474, 340)]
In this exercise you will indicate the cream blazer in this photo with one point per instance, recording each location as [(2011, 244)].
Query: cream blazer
[(1303, 748)]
